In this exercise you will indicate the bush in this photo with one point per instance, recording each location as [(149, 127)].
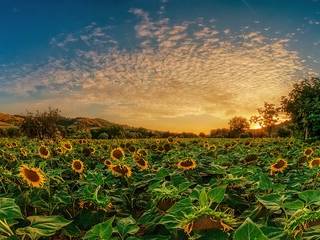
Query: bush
[(103, 136), (284, 132), (41, 124)]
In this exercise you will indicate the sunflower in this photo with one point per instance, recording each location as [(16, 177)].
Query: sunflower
[(141, 162), (121, 170), (67, 146), (170, 140), (142, 152), (44, 152), (206, 223), (60, 150), (32, 176), (87, 151), (206, 145), (23, 152), (314, 163), (77, 166), (279, 166), (117, 153), (108, 163), (308, 152), (187, 164), (131, 149)]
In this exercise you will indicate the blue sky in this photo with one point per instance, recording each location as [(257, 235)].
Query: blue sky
[(177, 65)]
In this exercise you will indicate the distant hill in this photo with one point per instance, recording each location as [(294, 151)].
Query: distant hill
[(96, 126), (7, 120)]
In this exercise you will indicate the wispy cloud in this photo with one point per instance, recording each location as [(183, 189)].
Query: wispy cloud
[(178, 70)]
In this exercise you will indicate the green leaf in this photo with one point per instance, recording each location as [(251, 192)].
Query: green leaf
[(101, 231), (249, 231), (294, 205), (43, 226), (9, 210), (310, 196), (127, 226), (5, 228), (271, 202), (203, 198), (217, 194)]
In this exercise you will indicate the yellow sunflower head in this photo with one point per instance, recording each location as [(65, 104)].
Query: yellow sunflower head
[(279, 166), (8, 145), (314, 163), (187, 164), (121, 170), (117, 153), (60, 150), (77, 166), (141, 162), (23, 152), (206, 145), (32, 176), (67, 146), (170, 140), (131, 148), (308, 152), (142, 152), (107, 163), (44, 152)]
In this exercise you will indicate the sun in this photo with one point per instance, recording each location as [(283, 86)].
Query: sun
[(255, 126)]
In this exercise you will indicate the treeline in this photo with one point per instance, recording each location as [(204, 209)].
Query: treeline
[(51, 124), (301, 107)]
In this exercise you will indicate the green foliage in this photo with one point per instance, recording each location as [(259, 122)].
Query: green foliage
[(101, 231), (303, 106), (249, 231), (229, 193), (41, 124), (238, 126)]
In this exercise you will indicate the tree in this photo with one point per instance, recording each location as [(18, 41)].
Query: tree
[(303, 106), (220, 133), (238, 125), (268, 117), (41, 124)]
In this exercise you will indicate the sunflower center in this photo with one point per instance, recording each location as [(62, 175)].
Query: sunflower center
[(68, 146), (44, 151), (315, 162), (77, 165), (141, 162), (308, 151), (280, 164), (31, 175), (117, 154), (121, 169), (187, 163)]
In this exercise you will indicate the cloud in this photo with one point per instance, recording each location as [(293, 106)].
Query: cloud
[(177, 71)]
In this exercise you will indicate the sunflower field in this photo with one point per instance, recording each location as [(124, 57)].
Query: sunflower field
[(159, 189)]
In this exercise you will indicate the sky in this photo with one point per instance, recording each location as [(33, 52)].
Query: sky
[(178, 65)]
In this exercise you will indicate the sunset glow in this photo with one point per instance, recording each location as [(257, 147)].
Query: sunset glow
[(157, 64)]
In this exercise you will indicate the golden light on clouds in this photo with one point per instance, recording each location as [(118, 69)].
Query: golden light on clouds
[(183, 77)]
